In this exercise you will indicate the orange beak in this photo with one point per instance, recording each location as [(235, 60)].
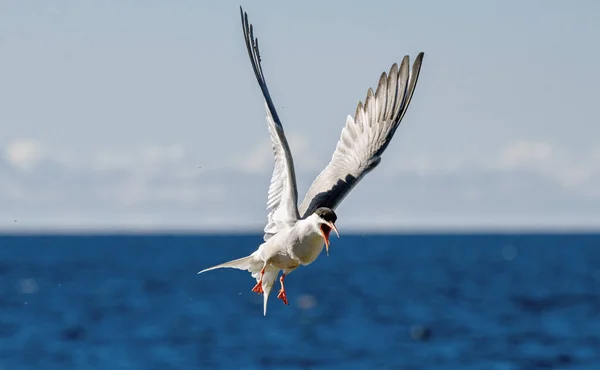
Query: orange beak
[(326, 235)]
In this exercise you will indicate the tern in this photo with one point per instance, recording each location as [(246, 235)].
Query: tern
[(294, 236)]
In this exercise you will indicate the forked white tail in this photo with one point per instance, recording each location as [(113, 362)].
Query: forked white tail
[(254, 265)]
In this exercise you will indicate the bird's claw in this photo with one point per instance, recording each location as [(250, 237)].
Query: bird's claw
[(282, 296), (258, 288)]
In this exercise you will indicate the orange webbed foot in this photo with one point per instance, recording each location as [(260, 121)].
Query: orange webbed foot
[(258, 288), (282, 296)]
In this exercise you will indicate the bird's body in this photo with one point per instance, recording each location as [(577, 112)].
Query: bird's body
[(291, 247), (295, 235), (298, 244)]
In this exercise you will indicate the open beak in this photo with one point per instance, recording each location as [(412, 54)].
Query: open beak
[(332, 225), (326, 235)]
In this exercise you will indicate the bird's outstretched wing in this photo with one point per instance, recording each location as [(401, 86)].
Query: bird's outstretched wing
[(282, 203), (365, 137)]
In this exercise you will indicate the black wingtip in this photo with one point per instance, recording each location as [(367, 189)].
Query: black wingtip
[(419, 57), (417, 66), (257, 50)]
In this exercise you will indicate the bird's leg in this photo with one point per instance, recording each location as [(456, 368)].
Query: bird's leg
[(258, 287), (282, 294)]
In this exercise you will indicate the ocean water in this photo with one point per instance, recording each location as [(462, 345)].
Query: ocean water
[(377, 302)]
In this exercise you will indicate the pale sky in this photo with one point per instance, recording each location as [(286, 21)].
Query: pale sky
[(138, 114)]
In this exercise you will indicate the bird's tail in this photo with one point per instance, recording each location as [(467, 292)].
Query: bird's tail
[(254, 265), (268, 280), (250, 263)]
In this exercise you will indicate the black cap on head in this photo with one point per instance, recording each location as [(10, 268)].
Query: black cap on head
[(326, 214)]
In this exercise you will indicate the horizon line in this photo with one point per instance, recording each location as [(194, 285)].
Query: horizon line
[(547, 230)]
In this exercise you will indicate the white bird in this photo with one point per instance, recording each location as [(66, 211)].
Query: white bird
[(295, 236)]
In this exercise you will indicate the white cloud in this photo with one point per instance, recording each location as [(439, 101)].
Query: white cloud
[(143, 157), (423, 164), (574, 175), (525, 153), (24, 154), (526, 182), (552, 161), (419, 164), (259, 159), (163, 154)]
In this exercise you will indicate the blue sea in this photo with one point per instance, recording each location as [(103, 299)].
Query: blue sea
[(455, 301)]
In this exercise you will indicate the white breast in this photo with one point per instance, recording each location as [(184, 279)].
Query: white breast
[(307, 249), (299, 244)]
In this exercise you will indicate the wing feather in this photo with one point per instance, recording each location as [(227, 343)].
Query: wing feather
[(365, 137), (283, 194)]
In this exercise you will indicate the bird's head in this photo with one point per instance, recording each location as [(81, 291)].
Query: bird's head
[(326, 222)]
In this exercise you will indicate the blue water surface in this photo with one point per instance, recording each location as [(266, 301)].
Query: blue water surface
[(377, 302)]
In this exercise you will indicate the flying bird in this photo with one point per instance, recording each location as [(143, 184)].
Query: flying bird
[(294, 236)]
